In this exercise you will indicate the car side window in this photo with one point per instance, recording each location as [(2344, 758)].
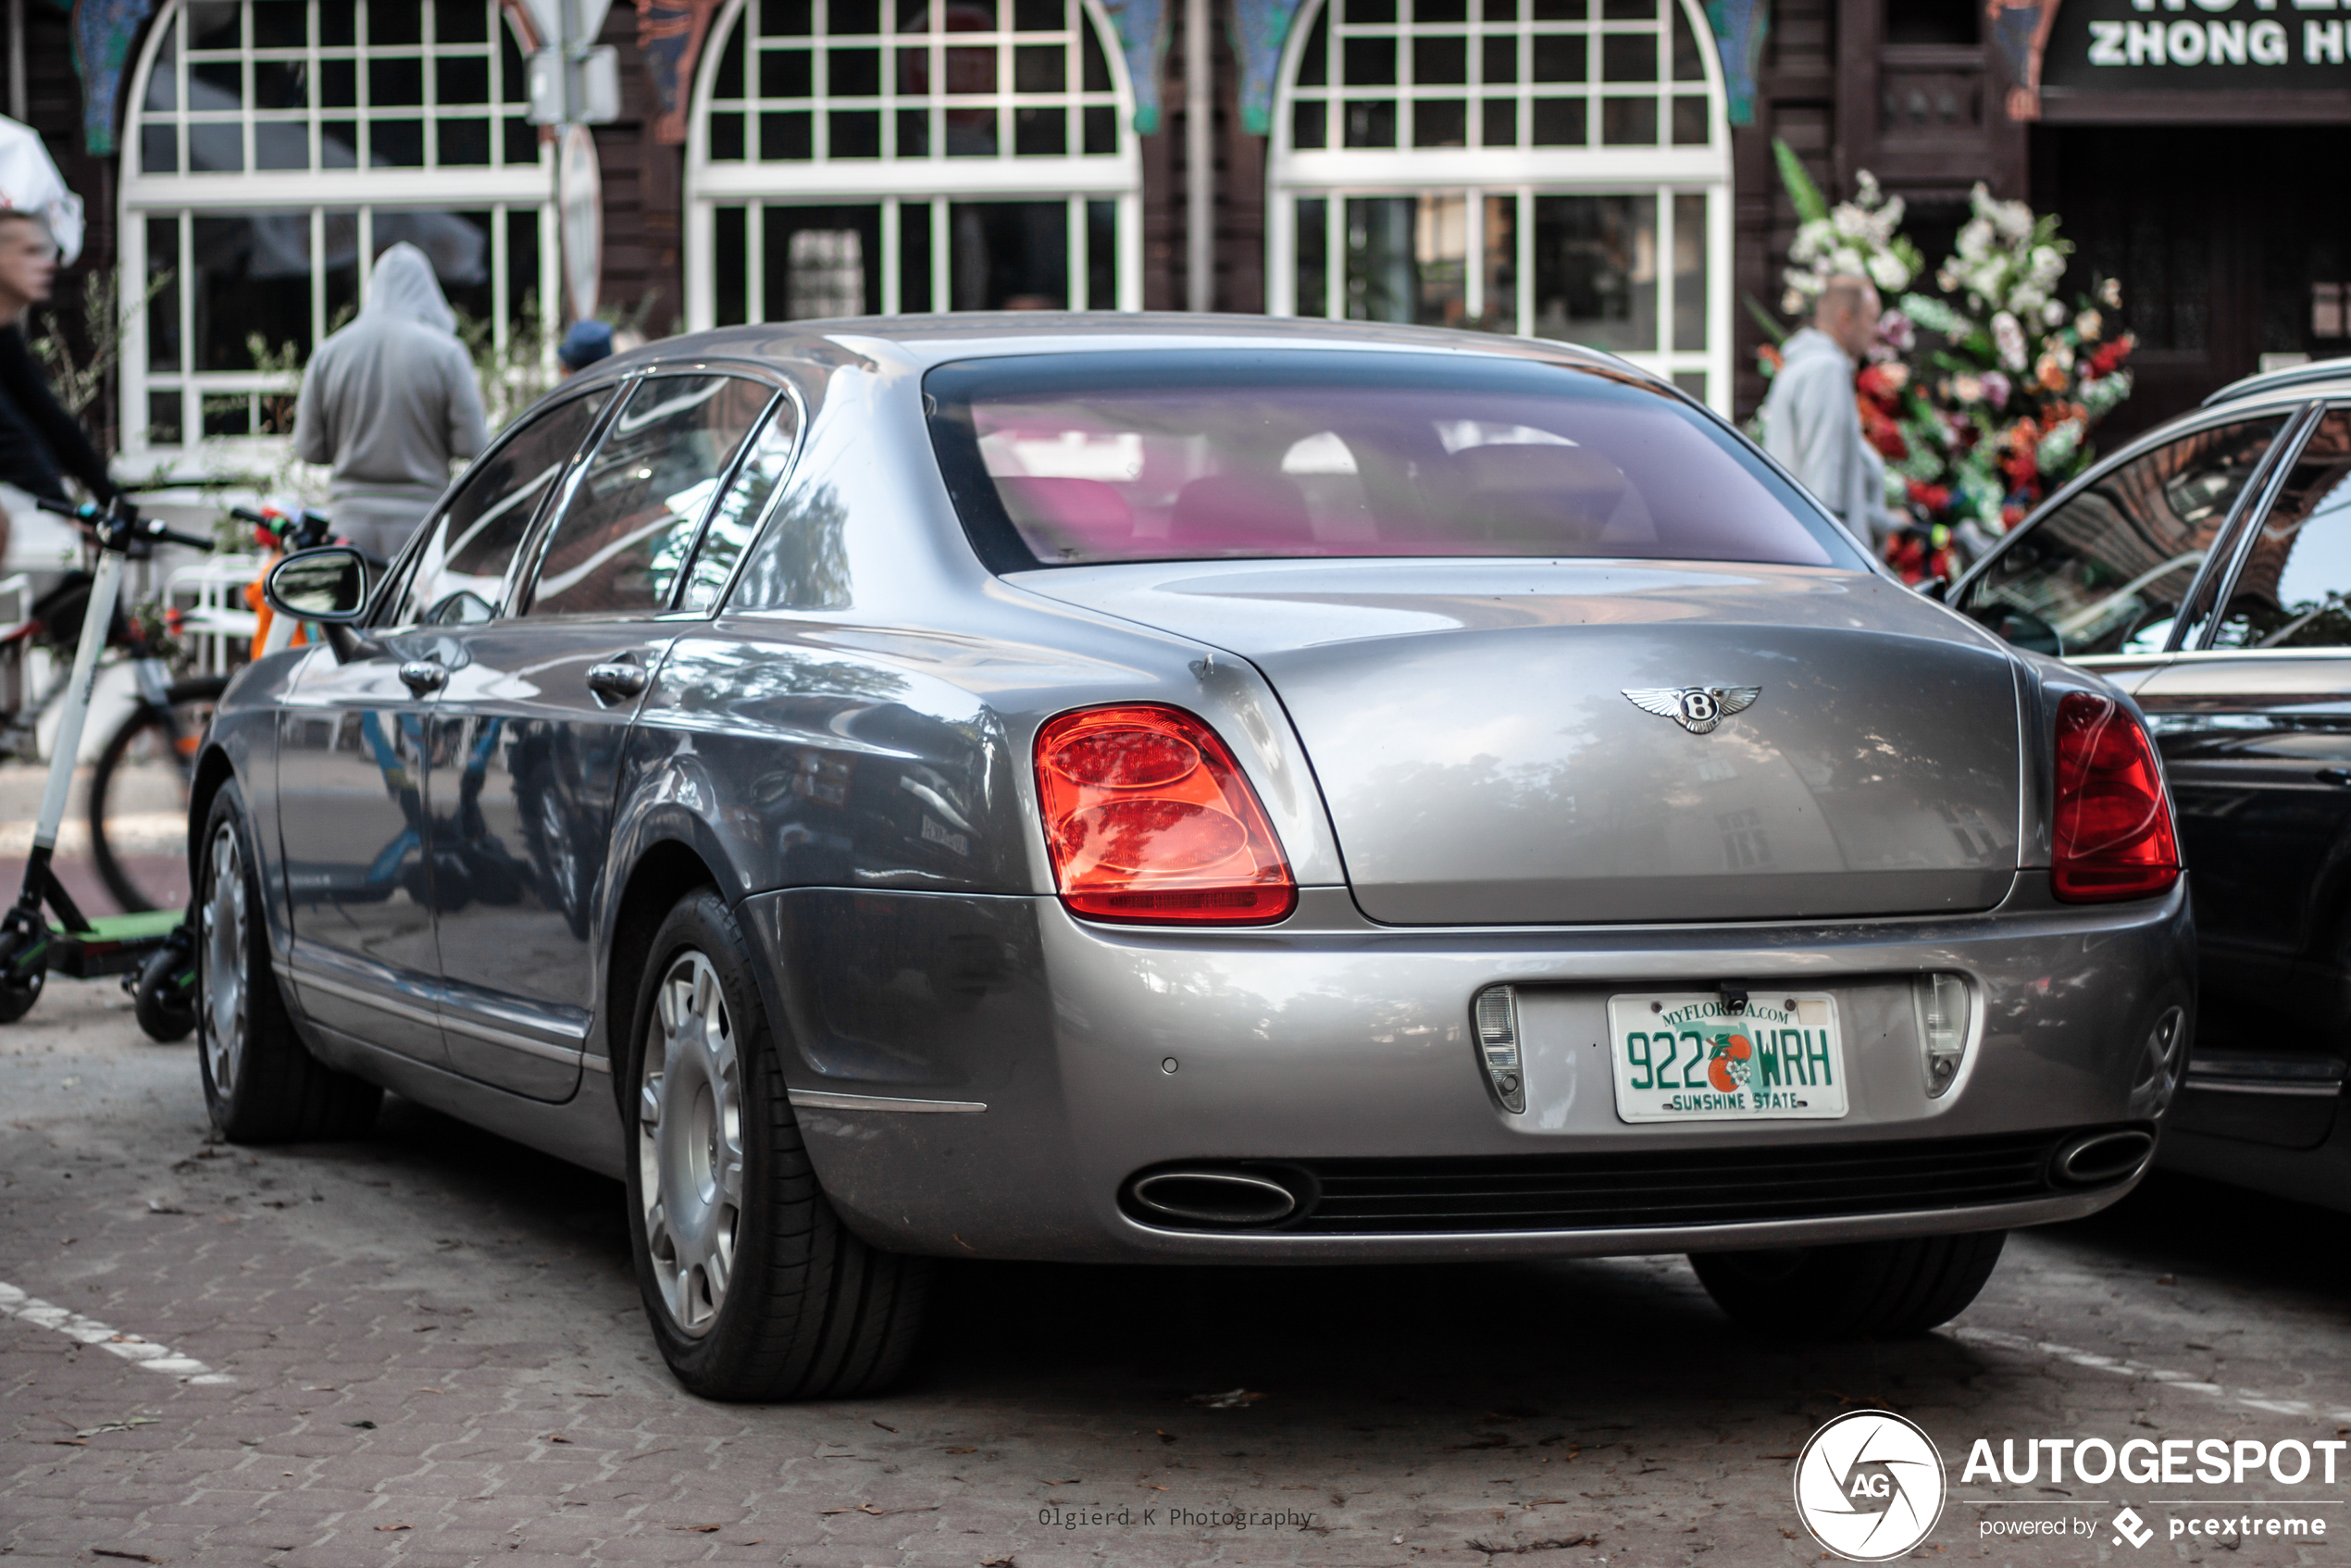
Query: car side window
[(459, 575), (2293, 590), (631, 520), (740, 510), (2105, 572)]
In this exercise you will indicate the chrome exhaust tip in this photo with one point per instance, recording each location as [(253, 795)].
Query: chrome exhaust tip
[(1226, 1200), (2103, 1157)]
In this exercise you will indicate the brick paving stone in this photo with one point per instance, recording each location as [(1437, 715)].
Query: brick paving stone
[(1512, 1408)]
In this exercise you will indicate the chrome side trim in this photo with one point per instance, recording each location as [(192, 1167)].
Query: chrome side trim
[(468, 1027), (509, 1038), (817, 1099), (363, 997)]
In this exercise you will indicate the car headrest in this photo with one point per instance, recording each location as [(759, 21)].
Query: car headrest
[(1056, 515), (1237, 511)]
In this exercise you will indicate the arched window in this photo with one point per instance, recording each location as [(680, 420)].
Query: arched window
[(1556, 167), (850, 156), (275, 148)]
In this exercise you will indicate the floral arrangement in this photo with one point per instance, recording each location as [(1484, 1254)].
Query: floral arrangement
[(1981, 401)]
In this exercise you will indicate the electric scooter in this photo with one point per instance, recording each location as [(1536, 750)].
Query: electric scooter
[(163, 983), (77, 946)]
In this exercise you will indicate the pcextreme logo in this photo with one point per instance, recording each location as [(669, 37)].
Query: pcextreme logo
[(1870, 1486)]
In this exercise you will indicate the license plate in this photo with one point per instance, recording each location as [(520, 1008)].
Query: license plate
[(1679, 1057)]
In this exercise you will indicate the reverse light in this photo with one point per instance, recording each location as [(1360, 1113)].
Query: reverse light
[(2112, 836), (1148, 817), (1496, 1015), (1943, 1025)]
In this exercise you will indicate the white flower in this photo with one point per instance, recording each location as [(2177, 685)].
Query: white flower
[(2110, 294), (2027, 301), (1887, 271), (2088, 325), (2048, 266), (2053, 313), (1976, 241), (2009, 338)]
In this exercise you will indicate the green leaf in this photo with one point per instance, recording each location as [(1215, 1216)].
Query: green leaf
[(1765, 319), (1810, 206)]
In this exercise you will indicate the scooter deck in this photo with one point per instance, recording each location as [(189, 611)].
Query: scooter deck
[(113, 944)]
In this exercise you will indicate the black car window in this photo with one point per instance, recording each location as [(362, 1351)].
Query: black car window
[(2292, 589), (624, 534), (2105, 572), (736, 518), (460, 574)]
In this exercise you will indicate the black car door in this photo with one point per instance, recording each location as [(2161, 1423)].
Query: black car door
[(356, 754), (2254, 720), (535, 716)]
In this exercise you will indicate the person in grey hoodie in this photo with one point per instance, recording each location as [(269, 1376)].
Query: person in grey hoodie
[(1811, 422), (388, 403)]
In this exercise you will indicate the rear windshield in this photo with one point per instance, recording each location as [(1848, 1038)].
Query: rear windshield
[(1076, 459)]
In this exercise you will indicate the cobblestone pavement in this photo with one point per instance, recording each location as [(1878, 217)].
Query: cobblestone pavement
[(426, 1348)]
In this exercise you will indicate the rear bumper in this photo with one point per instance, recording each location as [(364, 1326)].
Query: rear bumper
[(1327, 1038)]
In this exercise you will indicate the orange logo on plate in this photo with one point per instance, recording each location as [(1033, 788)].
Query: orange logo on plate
[(1728, 1066)]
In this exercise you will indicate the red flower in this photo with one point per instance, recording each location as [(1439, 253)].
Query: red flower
[(2112, 354)]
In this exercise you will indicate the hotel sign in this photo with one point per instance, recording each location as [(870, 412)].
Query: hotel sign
[(2198, 45)]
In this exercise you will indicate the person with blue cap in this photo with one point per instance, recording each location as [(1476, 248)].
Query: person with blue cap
[(586, 342)]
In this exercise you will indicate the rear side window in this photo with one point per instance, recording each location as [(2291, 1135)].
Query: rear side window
[(2106, 571), (1078, 459), (629, 525), (460, 573), (2294, 588)]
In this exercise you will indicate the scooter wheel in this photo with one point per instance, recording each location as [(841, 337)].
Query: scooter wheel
[(163, 994), (22, 973)]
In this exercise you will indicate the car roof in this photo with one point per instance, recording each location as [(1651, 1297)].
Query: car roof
[(929, 340), (2317, 379)]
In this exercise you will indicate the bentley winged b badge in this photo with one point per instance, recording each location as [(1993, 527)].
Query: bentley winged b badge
[(1696, 708)]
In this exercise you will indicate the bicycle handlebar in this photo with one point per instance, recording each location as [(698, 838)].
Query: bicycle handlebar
[(151, 529)]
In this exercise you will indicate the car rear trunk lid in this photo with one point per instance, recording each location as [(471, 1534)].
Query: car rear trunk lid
[(1470, 728)]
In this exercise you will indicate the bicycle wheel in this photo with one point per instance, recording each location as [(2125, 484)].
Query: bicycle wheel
[(139, 797)]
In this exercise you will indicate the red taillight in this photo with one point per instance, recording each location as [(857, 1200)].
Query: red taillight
[(2112, 833), (1147, 818)]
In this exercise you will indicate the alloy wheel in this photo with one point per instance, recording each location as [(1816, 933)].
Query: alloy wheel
[(689, 1143), (222, 955)]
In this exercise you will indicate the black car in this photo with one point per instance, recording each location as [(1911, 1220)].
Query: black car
[(2206, 570)]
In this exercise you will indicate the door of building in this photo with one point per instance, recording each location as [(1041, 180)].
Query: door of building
[(2213, 230)]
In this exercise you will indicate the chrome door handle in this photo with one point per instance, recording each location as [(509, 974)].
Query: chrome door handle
[(617, 679), (421, 676)]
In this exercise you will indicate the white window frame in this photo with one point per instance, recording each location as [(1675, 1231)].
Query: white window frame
[(1662, 172), (890, 182), (498, 190)]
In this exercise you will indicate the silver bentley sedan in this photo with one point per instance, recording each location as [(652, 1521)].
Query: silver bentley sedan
[(1162, 790)]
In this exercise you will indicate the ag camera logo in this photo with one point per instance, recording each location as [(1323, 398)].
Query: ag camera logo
[(1870, 1486)]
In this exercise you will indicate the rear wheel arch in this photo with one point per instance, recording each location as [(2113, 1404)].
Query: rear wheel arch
[(664, 872)]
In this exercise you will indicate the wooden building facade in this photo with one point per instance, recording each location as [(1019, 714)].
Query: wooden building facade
[(1599, 171)]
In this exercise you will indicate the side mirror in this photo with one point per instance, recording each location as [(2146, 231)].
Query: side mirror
[(327, 585)]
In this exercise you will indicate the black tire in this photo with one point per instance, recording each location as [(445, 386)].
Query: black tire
[(1867, 1290), (163, 996), (175, 731), (21, 979), (276, 1091), (806, 1310)]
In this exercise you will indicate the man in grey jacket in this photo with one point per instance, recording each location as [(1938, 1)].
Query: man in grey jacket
[(389, 403), (1811, 422)]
